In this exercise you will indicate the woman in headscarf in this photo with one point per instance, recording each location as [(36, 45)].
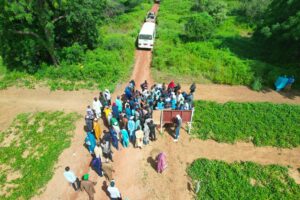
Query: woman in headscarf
[(125, 137), (161, 162), (97, 165), (97, 129), (90, 141), (107, 112)]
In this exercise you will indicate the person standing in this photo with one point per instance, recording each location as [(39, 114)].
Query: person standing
[(97, 166), (90, 141), (178, 122), (108, 115), (89, 112), (131, 128), (98, 151), (114, 192), (71, 178), (119, 104), (106, 150), (139, 134), (151, 126), (97, 107), (125, 137), (146, 134), (161, 162), (97, 129), (114, 138), (115, 111), (107, 96), (88, 124), (88, 186)]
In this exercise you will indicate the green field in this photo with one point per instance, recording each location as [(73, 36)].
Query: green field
[(230, 56), (29, 149), (245, 180), (110, 63), (261, 123)]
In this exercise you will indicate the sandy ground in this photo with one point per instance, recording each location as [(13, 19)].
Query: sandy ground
[(134, 173)]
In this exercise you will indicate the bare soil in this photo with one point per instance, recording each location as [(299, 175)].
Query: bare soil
[(135, 173)]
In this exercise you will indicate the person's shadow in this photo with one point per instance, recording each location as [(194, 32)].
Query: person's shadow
[(104, 188), (152, 162)]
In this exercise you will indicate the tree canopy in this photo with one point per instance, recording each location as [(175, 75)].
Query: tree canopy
[(34, 32)]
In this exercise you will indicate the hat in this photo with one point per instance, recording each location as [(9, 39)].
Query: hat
[(112, 183), (178, 117), (116, 123), (86, 177), (131, 117)]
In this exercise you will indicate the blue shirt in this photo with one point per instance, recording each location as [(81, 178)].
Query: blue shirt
[(70, 176)]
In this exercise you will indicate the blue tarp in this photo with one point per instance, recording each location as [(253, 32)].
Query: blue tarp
[(282, 81)]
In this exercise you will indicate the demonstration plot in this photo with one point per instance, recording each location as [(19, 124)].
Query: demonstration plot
[(29, 149), (264, 124), (245, 180)]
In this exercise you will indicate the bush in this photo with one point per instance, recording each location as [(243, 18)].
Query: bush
[(263, 124), (73, 54), (257, 85), (200, 27)]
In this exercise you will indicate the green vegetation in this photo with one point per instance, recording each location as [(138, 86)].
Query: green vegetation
[(260, 123), (246, 180), (29, 149), (101, 65), (228, 55)]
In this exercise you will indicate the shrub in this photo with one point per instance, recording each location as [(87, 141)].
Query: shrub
[(257, 84), (73, 54), (200, 27)]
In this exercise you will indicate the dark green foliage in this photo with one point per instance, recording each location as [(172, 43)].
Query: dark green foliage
[(36, 141), (103, 67), (34, 32), (254, 10), (280, 30), (216, 8), (199, 27), (245, 180), (261, 123)]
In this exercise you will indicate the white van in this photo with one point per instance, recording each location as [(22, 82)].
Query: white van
[(147, 36)]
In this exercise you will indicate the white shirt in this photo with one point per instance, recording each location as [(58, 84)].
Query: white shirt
[(114, 192), (97, 105), (70, 176)]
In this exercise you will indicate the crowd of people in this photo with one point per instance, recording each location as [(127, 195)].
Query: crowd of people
[(129, 122)]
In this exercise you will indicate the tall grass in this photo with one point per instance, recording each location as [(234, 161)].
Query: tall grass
[(245, 180), (260, 123), (29, 148), (231, 56)]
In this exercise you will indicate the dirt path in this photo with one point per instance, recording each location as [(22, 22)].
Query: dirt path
[(134, 172)]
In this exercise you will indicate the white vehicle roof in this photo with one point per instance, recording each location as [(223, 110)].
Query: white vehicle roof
[(148, 28)]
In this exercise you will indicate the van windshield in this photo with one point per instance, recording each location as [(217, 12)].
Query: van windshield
[(145, 37)]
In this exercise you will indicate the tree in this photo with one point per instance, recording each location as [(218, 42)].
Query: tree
[(216, 8), (254, 10), (200, 27), (280, 28), (32, 32)]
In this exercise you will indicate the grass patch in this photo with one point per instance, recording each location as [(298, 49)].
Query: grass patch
[(231, 56), (29, 149), (264, 124), (246, 180), (104, 67)]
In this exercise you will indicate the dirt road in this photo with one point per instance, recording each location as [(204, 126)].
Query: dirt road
[(134, 172)]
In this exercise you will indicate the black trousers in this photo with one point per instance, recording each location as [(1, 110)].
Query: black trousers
[(76, 184)]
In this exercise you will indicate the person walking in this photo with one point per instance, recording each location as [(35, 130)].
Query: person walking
[(71, 178), (97, 165), (88, 186), (119, 103), (107, 96), (115, 111), (88, 124), (97, 129), (178, 122), (90, 113), (97, 107), (146, 133), (114, 138), (114, 192), (125, 137)]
